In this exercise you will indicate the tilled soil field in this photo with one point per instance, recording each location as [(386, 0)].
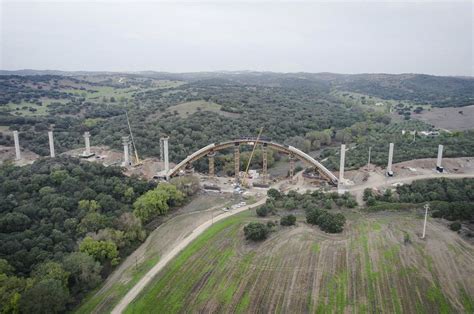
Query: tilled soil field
[(378, 264)]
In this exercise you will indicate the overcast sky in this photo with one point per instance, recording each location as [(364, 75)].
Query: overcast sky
[(342, 37)]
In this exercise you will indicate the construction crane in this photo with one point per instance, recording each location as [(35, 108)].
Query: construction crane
[(246, 173), (137, 160)]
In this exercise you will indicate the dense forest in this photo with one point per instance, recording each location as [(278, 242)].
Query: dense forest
[(65, 224)]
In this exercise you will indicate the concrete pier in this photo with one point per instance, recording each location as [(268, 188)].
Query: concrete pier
[(126, 156), (166, 155), (17, 145), (292, 167), (87, 136), (210, 157), (264, 164), (236, 162), (439, 167), (51, 144), (342, 163), (390, 159)]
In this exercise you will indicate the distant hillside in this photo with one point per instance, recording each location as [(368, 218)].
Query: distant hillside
[(439, 91)]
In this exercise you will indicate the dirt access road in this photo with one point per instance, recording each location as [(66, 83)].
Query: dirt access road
[(380, 181), (132, 294), (375, 181)]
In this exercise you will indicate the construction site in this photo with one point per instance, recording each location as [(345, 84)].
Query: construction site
[(250, 181)]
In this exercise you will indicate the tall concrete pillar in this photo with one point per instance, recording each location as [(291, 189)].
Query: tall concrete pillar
[(236, 162), (342, 163), (165, 153), (87, 136), (162, 157), (439, 167), (126, 157), (264, 163), (51, 144), (390, 159), (210, 157), (17, 145), (292, 167)]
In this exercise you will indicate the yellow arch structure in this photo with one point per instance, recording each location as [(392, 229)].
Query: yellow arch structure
[(250, 141)]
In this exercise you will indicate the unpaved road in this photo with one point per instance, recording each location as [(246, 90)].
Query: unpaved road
[(374, 182), (379, 181), (132, 294)]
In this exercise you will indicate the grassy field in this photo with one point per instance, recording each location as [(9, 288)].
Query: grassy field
[(368, 268), (188, 108), (158, 243), (19, 109), (373, 102), (102, 91)]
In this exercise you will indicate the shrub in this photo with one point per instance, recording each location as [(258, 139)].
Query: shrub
[(367, 193), (406, 238), (312, 215), (328, 222), (331, 223), (455, 226), (273, 193), (370, 201), (262, 211), (270, 224), (256, 231), (288, 220)]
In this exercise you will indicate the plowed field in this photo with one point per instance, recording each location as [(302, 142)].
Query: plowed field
[(300, 269)]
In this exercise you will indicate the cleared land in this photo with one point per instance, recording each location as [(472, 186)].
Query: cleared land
[(368, 268), (450, 118)]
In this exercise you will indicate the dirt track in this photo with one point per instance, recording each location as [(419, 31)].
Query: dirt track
[(376, 180), (171, 254), (369, 268)]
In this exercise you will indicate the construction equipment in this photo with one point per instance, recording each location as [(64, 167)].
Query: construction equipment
[(137, 160), (246, 173)]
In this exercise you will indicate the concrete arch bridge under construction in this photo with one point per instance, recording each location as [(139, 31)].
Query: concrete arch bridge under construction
[(293, 152)]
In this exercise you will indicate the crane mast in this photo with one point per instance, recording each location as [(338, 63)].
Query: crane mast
[(244, 181), (137, 160)]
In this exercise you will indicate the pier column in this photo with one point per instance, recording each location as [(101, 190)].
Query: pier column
[(390, 159), (292, 167), (210, 157), (17, 145), (87, 136), (342, 164), (166, 154), (236, 162), (439, 167), (51, 144), (264, 163), (126, 157)]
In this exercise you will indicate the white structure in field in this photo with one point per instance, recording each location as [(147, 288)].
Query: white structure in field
[(87, 153), (51, 144), (390, 159), (126, 155), (439, 167), (17, 145), (342, 163), (164, 140), (342, 181)]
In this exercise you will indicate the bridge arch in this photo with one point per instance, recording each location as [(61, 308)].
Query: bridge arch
[(287, 149)]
